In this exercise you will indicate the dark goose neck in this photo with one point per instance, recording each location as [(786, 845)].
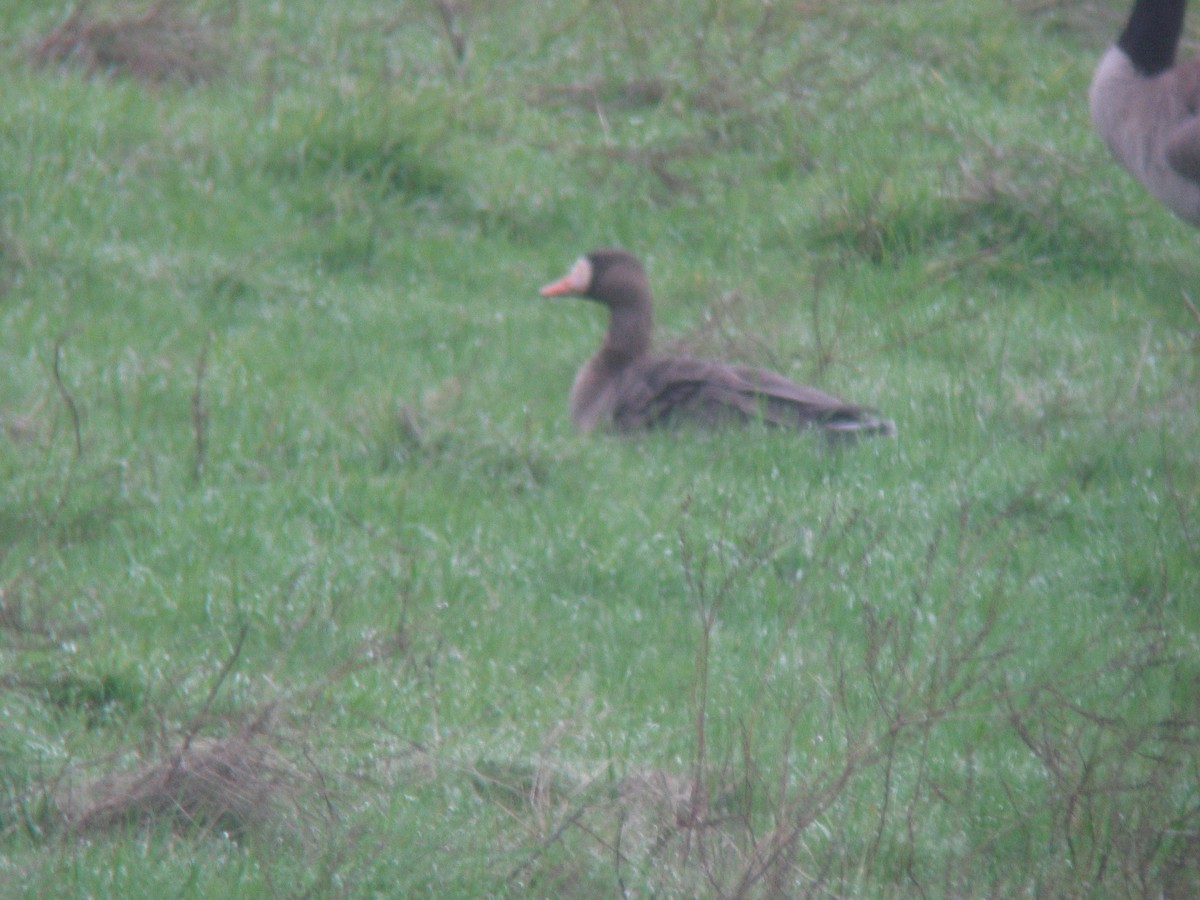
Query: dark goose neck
[(629, 330), (1151, 35)]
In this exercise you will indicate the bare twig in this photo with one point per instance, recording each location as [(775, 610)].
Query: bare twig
[(1187, 301), (657, 161), (449, 12), (200, 413), (1177, 497), (66, 395), (956, 317), (1136, 380), (199, 718), (524, 866), (824, 352)]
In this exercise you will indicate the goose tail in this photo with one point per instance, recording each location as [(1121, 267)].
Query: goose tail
[(860, 423)]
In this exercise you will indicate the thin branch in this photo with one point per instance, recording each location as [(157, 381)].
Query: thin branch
[(230, 662), (448, 12), (1187, 301), (525, 865), (1177, 498), (824, 353), (199, 413), (67, 399)]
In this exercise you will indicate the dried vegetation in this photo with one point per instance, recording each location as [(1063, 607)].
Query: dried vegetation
[(162, 44)]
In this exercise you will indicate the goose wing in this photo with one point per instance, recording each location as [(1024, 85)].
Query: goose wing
[(669, 389)]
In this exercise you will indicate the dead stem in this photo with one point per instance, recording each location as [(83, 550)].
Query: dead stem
[(200, 413), (67, 398)]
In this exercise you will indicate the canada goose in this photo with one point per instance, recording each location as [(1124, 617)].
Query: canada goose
[(1145, 106), (626, 387)]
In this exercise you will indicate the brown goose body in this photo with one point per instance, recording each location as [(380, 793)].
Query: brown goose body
[(1147, 107), (626, 387)]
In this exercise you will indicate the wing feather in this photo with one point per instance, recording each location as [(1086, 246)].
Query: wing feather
[(666, 390)]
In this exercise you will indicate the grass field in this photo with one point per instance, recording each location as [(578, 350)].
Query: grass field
[(308, 588)]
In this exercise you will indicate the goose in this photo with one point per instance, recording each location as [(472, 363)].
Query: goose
[(625, 387), (1145, 106)]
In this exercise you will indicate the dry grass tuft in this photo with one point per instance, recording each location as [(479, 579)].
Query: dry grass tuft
[(160, 45), (258, 778), (598, 93), (1096, 22), (229, 785)]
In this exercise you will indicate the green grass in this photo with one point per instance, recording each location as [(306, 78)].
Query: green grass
[(286, 472)]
